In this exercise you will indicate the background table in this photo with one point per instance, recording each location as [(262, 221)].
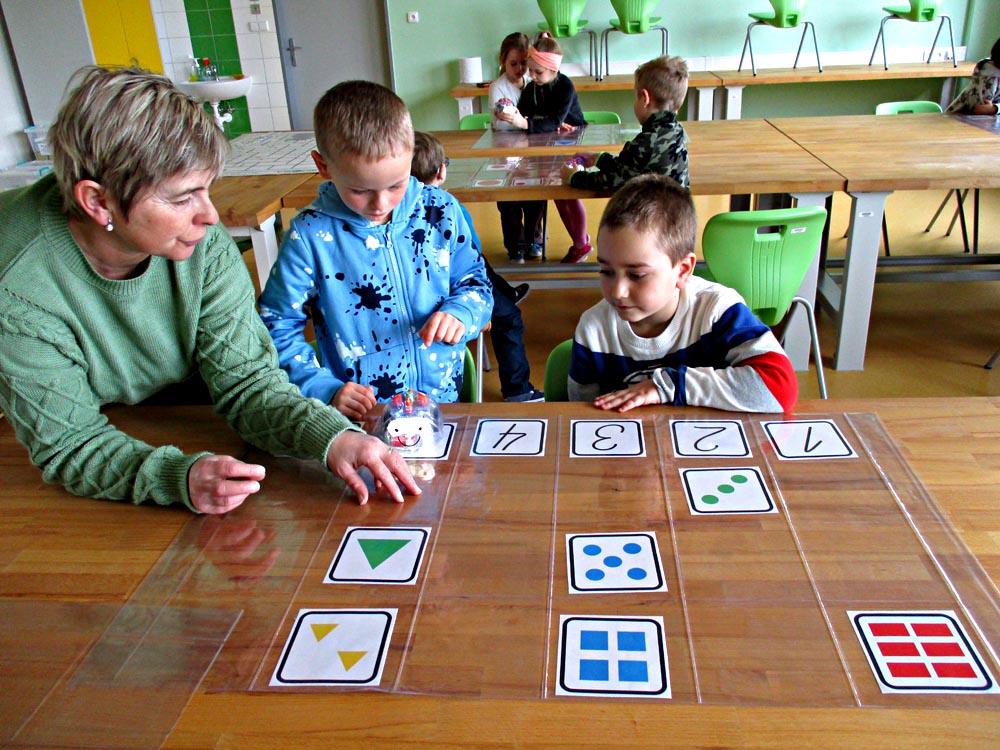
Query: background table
[(61, 553), (877, 155)]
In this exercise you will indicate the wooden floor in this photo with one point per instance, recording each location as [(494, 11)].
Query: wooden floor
[(925, 339)]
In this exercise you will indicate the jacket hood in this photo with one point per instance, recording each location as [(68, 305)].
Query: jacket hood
[(329, 202)]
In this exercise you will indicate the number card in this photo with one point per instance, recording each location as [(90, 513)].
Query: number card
[(808, 439), (607, 563), (921, 652), (510, 437), (716, 438), (720, 491), (336, 647), (612, 656), (606, 437)]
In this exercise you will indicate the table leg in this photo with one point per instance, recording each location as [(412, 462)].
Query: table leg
[(701, 103), (734, 102), (853, 304), (466, 106), (265, 245), (797, 341)]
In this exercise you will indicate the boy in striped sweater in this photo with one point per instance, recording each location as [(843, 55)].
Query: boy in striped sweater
[(662, 335)]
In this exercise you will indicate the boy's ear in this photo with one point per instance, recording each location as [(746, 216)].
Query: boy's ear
[(643, 96), (685, 269), (320, 163)]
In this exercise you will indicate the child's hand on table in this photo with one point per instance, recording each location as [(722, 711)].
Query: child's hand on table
[(639, 394)]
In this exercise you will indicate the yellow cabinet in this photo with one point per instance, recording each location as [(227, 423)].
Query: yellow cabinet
[(122, 33)]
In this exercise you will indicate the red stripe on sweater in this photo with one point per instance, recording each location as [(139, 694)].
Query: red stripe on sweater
[(776, 370)]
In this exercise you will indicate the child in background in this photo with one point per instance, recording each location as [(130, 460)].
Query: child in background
[(982, 95), (507, 332), (661, 147), (520, 221), (387, 265), (662, 335), (550, 104)]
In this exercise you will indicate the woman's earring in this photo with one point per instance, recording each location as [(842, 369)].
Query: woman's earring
[(109, 226)]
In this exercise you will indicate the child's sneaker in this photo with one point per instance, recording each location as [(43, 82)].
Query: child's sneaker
[(534, 252), (515, 257), (533, 396), (577, 254), (520, 293)]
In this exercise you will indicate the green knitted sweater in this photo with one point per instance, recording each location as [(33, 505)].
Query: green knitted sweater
[(72, 340)]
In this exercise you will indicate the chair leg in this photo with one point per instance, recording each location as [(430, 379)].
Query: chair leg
[(666, 39), (607, 54), (930, 56), (881, 38), (993, 360), (960, 197), (807, 25), (748, 45), (480, 349), (814, 336), (937, 213), (885, 236)]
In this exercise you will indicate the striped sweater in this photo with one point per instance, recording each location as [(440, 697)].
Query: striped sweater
[(715, 352)]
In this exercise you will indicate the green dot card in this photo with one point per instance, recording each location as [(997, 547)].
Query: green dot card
[(724, 491)]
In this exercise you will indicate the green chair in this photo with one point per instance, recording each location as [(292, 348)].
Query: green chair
[(562, 21), (557, 371), (471, 392), (765, 255), (602, 117), (634, 17), (787, 14), (478, 121), (919, 11), (920, 107)]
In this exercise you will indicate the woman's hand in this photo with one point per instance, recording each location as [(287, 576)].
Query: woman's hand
[(354, 400), (217, 484), (351, 450)]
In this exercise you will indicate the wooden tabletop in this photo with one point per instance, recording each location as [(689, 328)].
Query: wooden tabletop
[(248, 201), (899, 152), (79, 560)]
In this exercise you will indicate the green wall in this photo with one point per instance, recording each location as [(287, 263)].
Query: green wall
[(425, 55)]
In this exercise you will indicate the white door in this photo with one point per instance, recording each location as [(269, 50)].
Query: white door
[(324, 42)]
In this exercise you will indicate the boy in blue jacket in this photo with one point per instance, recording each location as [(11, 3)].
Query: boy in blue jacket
[(383, 264)]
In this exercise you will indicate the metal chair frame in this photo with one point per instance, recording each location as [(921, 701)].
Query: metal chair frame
[(930, 55), (747, 44)]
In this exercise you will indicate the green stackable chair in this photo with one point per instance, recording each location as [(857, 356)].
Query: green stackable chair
[(478, 121), (557, 371), (765, 255), (470, 393), (919, 11), (602, 117), (919, 107), (786, 14), (634, 17), (562, 21)]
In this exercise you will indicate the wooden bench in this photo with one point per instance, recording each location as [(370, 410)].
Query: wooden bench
[(703, 84)]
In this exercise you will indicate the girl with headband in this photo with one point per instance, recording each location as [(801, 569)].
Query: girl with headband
[(549, 104)]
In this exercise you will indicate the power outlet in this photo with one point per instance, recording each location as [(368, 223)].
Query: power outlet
[(412, 17)]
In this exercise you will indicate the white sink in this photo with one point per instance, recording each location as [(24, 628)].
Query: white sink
[(225, 88)]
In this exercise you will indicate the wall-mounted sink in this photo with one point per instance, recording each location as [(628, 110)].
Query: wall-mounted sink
[(225, 88), (215, 91)]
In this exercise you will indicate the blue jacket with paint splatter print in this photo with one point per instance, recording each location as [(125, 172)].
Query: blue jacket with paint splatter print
[(369, 289)]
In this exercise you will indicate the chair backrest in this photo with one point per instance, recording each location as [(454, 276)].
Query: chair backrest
[(787, 13), (634, 15), (764, 255), (920, 11), (601, 117), (901, 108), (557, 371), (469, 382), (478, 121), (562, 17)]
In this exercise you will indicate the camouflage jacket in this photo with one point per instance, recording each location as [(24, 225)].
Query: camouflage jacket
[(661, 148)]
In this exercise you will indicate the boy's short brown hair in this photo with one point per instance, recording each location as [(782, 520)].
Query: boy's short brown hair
[(666, 80), (428, 156), (363, 119), (657, 205)]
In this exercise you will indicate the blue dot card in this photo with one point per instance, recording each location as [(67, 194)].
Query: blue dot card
[(612, 657), (722, 491), (614, 563)]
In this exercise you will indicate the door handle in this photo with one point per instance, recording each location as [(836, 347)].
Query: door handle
[(291, 51)]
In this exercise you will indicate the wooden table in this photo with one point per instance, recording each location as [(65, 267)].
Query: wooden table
[(248, 207), (877, 155), (702, 84), (90, 569)]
